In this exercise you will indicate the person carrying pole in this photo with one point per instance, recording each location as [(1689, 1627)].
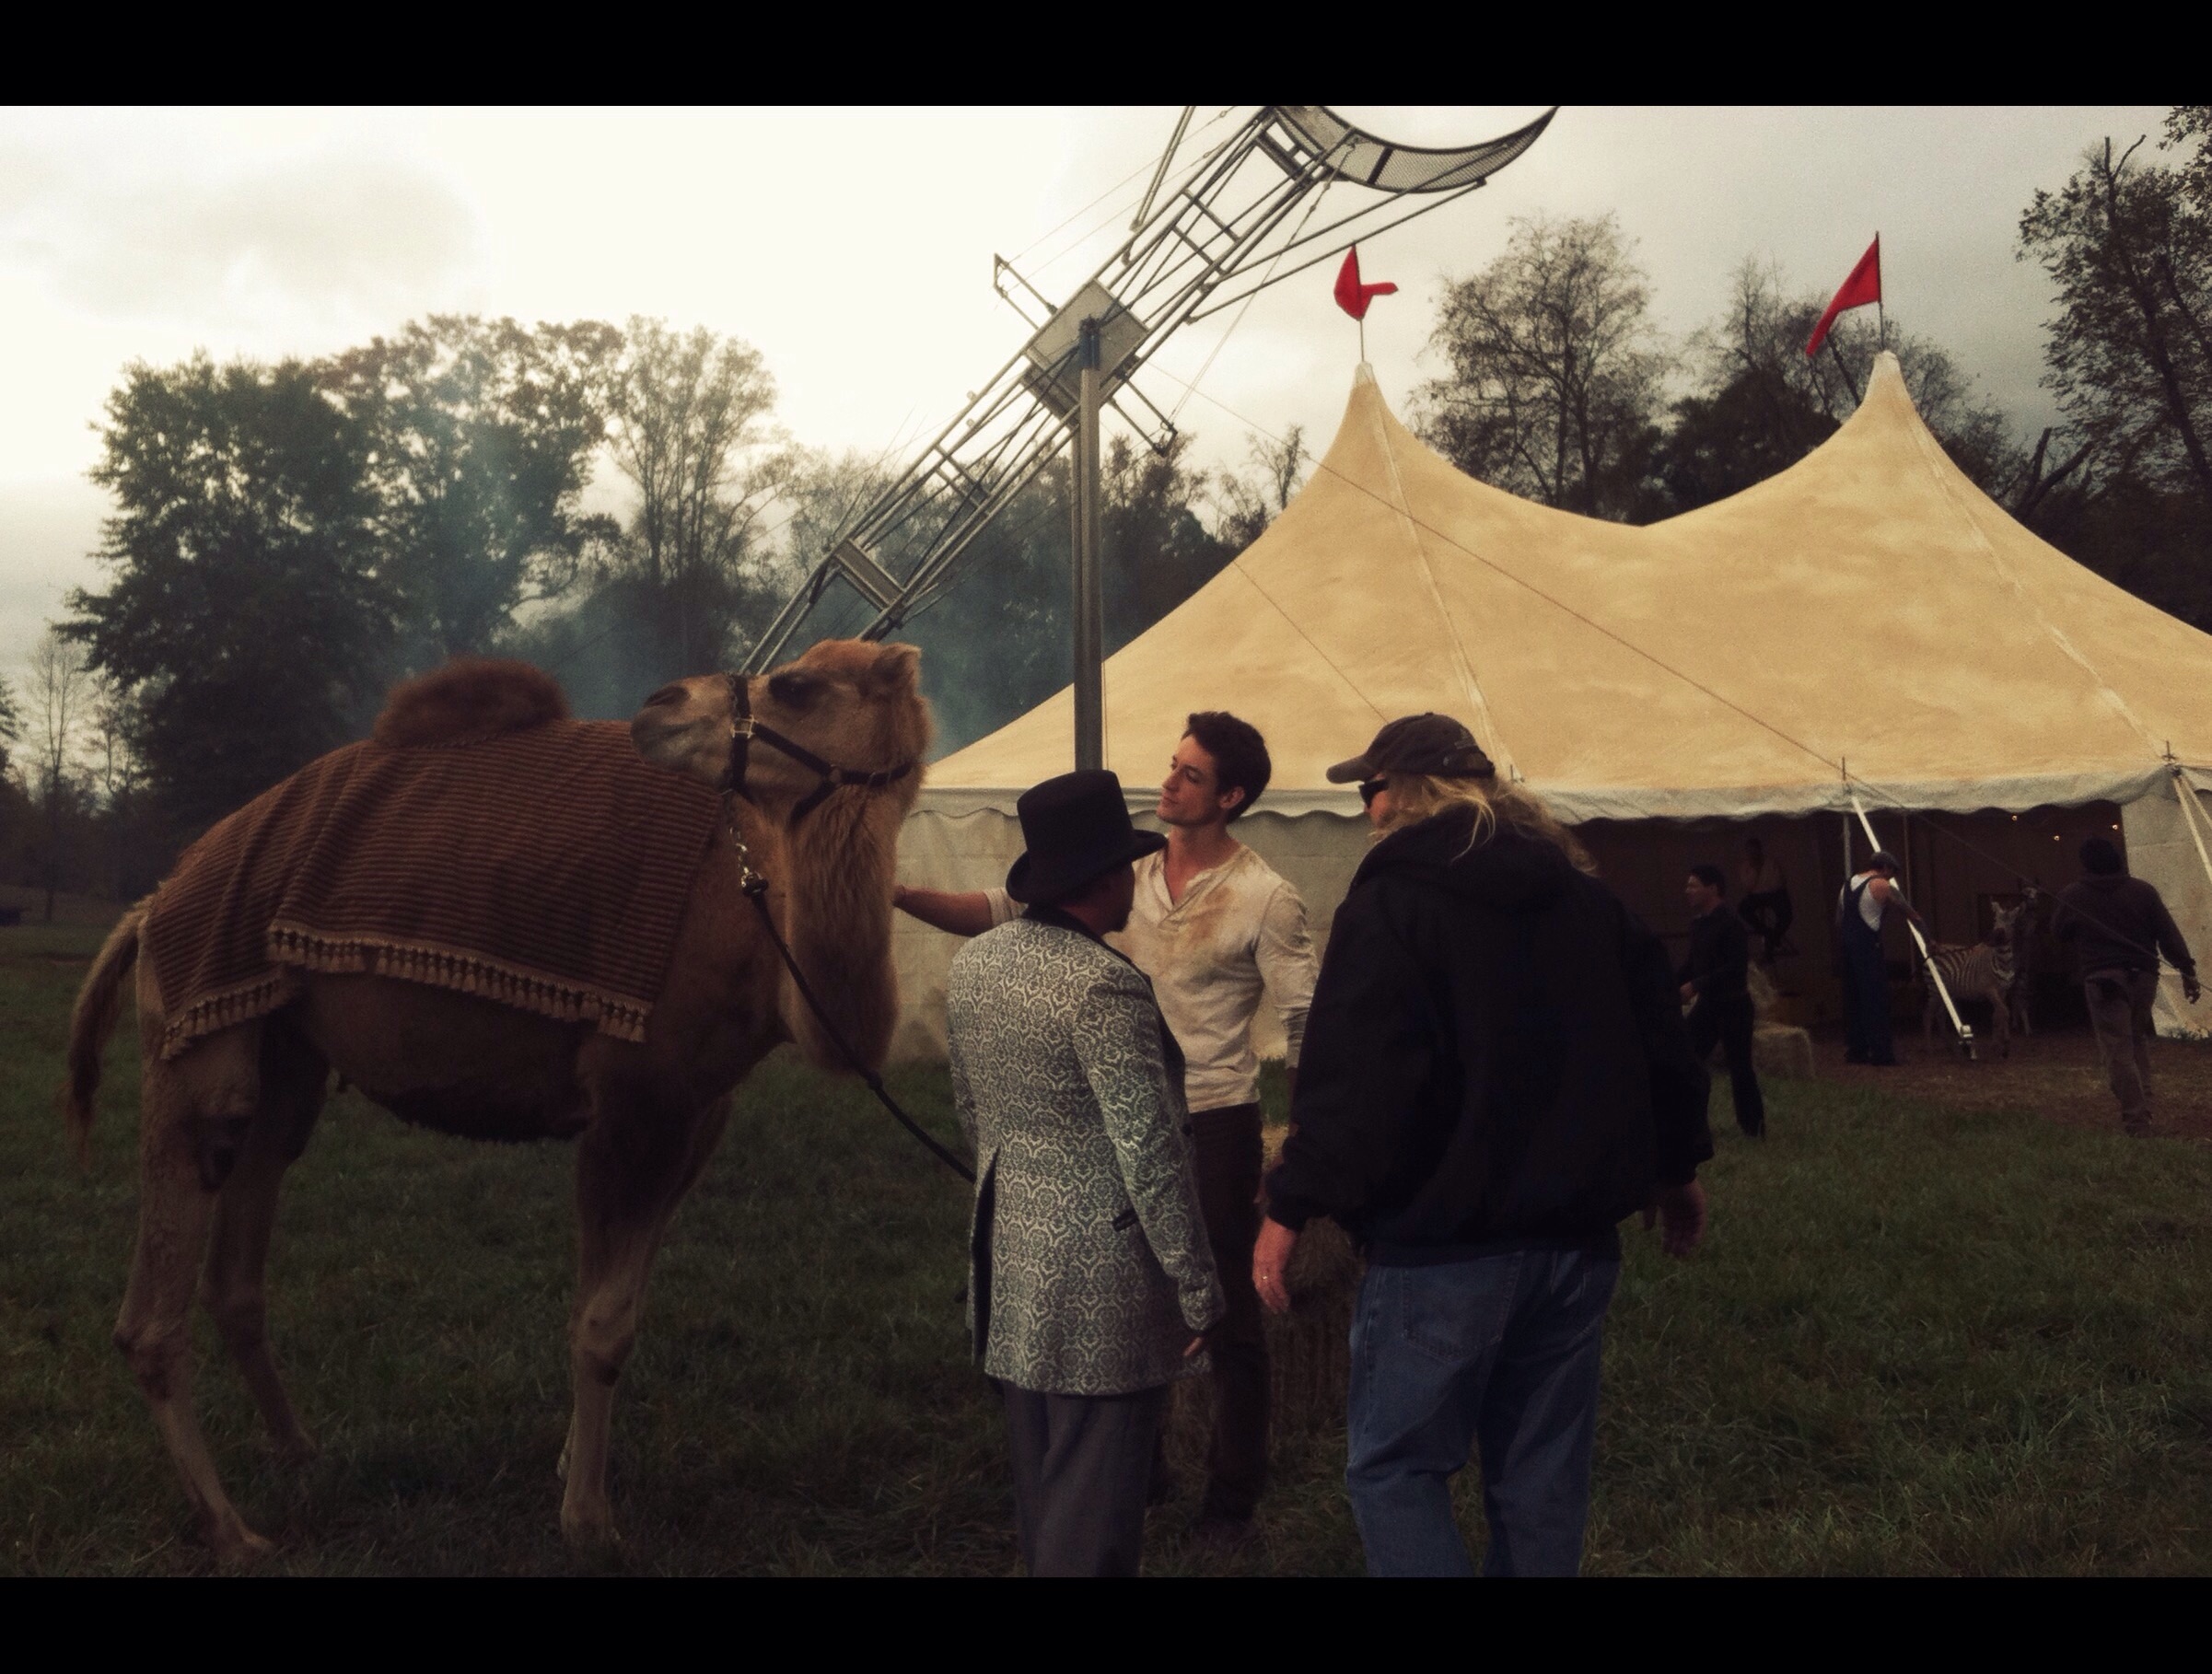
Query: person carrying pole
[(1866, 901), (2116, 926)]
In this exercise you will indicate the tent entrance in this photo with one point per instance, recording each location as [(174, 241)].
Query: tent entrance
[(1960, 870)]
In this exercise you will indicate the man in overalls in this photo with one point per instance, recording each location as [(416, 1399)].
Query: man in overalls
[(1867, 899)]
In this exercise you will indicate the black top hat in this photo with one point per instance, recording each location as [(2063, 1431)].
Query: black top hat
[(1426, 744), (1078, 829)]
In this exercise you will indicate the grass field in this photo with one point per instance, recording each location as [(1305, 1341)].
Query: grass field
[(1920, 1341)]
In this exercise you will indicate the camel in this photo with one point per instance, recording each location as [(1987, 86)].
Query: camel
[(222, 1121)]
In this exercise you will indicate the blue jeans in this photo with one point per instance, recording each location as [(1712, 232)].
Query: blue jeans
[(1499, 1353)]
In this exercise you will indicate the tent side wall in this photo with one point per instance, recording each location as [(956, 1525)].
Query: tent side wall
[(2161, 850), (1958, 867)]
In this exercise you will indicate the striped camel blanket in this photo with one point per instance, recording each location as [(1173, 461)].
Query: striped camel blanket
[(545, 868)]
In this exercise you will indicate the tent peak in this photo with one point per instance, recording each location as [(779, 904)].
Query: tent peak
[(1364, 373)]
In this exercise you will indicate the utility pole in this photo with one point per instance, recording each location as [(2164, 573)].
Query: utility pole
[(1090, 593)]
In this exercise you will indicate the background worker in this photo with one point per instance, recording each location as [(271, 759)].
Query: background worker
[(1218, 930), (1090, 1284), (1495, 1075), (1714, 981), (2116, 926), (1868, 898), (1767, 906)]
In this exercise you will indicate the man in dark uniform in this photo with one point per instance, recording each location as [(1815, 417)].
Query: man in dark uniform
[(1714, 984)]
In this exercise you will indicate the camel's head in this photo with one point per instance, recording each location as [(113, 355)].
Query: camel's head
[(855, 705)]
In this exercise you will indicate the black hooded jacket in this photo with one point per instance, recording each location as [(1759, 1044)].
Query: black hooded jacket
[(1494, 1057)]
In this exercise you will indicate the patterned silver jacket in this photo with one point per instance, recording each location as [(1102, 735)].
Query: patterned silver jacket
[(1089, 1267)]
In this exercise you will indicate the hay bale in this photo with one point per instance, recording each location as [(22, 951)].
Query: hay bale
[(1309, 1353), (1777, 1049)]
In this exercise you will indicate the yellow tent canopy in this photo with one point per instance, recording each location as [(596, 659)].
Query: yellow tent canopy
[(1866, 610)]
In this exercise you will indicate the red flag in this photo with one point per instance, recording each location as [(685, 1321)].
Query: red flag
[(1353, 297), (1862, 287)]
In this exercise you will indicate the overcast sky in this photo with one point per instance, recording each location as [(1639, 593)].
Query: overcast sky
[(855, 250)]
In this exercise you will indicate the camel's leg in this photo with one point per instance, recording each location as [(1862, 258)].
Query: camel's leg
[(633, 1169), (293, 1078), (195, 1113)]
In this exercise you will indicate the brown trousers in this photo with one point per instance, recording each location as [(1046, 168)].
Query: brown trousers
[(2120, 1013), (1225, 1146)]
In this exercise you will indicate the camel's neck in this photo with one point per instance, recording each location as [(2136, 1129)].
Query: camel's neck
[(838, 922)]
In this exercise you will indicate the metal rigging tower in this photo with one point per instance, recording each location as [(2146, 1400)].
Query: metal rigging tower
[(1208, 238)]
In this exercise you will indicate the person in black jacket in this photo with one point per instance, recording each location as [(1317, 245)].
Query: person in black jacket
[(1715, 980), (1495, 1074), (2116, 926)]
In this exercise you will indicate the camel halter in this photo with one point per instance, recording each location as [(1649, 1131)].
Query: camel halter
[(744, 728)]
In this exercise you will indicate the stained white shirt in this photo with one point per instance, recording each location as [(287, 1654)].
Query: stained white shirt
[(1237, 936)]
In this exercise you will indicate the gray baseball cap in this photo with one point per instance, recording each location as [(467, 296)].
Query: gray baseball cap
[(1434, 745)]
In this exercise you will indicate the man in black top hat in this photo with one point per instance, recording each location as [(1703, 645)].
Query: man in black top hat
[(1092, 1283)]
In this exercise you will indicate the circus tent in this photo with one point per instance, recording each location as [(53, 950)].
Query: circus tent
[(1865, 628)]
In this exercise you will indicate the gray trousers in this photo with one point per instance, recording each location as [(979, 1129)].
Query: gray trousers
[(1081, 1466), (2120, 1012)]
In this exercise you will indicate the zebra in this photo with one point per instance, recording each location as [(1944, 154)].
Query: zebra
[(1988, 971)]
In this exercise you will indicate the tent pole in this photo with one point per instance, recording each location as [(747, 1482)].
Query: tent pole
[(2185, 794), (1919, 941)]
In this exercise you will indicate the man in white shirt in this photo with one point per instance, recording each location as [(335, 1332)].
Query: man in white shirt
[(1217, 929)]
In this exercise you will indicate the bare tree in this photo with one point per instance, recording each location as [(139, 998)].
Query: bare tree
[(1245, 502), (1757, 403), (1556, 372), (59, 689), (11, 722), (111, 724), (2129, 246)]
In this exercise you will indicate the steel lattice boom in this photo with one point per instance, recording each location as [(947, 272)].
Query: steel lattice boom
[(1208, 238)]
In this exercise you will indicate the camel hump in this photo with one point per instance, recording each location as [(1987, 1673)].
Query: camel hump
[(471, 697)]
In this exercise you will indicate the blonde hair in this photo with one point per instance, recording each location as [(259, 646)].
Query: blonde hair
[(1418, 796)]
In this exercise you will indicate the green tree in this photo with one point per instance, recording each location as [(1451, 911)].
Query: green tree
[(691, 433), (1155, 548), (1555, 386), (998, 643), (692, 574), (1758, 404), (481, 435), (245, 609)]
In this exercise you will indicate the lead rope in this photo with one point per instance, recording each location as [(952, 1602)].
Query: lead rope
[(756, 892)]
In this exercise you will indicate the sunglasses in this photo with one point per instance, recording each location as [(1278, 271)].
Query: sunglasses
[(1371, 788)]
